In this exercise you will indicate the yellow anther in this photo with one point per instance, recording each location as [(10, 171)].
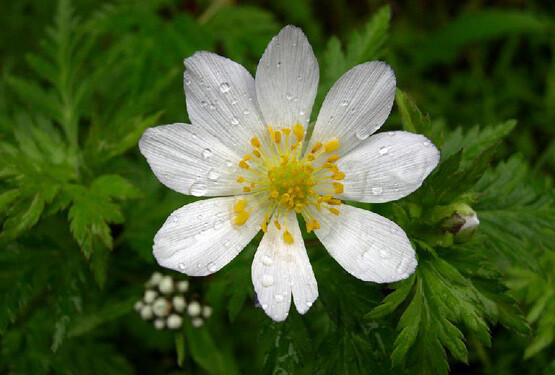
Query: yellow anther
[(298, 130), (277, 224), (243, 164), (335, 202), (277, 137), (310, 157), (309, 227), (247, 157), (240, 179), (287, 237), (316, 147), (286, 131), (246, 189), (240, 205), (241, 218), (338, 176), (257, 153), (333, 158), (316, 224), (298, 208), (264, 227), (271, 131), (255, 142), (284, 198), (332, 145), (334, 211), (338, 187), (274, 194)]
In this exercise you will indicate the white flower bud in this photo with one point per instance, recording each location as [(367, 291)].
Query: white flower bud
[(174, 321), (166, 285), (183, 286), (146, 312), (159, 324), (179, 303), (138, 306), (154, 279), (197, 322), (161, 307), (194, 309), (206, 311), (150, 296)]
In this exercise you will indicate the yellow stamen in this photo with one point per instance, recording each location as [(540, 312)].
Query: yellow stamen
[(240, 205), (241, 218), (298, 130), (287, 237), (333, 158), (264, 227), (316, 147), (255, 142), (331, 146), (338, 187), (243, 164)]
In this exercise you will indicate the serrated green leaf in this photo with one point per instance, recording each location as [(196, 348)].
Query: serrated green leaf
[(392, 300)]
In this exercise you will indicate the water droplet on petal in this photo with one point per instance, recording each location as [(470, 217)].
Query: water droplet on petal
[(267, 280), (385, 254), (181, 266), (309, 304), (211, 267), (224, 87), (394, 229), (246, 111), (403, 266), (213, 174), (362, 134), (299, 77), (234, 121), (227, 244), (344, 103), (426, 143), (383, 150), (279, 298), (233, 101), (218, 224), (391, 134), (198, 189), (279, 64), (229, 163), (206, 153), (288, 96), (377, 190), (175, 219), (194, 135), (267, 261), (203, 103)]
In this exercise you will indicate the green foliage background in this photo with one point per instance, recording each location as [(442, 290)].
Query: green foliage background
[(79, 207)]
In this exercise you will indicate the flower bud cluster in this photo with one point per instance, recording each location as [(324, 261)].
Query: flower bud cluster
[(165, 303)]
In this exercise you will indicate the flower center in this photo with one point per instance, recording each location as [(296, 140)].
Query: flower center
[(278, 175)]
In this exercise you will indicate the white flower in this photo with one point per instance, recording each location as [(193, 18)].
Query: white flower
[(150, 296), (161, 307), (146, 312), (194, 309), (159, 324), (174, 321), (247, 143), (183, 286), (197, 322), (166, 285), (207, 311), (179, 303)]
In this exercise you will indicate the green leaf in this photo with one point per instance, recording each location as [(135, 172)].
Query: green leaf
[(180, 348), (414, 121), (206, 353), (392, 300)]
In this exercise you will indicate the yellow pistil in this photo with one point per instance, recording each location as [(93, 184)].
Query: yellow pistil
[(279, 179)]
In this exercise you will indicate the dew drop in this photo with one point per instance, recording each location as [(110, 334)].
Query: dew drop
[(309, 304), (224, 87), (344, 103), (426, 143), (194, 135), (227, 244), (279, 298), (198, 189), (233, 101), (279, 64), (229, 163), (211, 267), (377, 190), (288, 96), (384, 254), (299, 77), (213, 174), (264, 306), (393, 229), (203, 103), (218, 224), (267, 281), (181, 266), (383, 150), (187, 81), (206, 153), (302, 112), (234, 121), (391, 134), (246, 111), (267, 261), (367, 254), (175, 219), (362, 134), (403, 266)]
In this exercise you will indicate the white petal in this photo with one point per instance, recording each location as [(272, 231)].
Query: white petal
[(200, 238), (369, 246), (287, 79), (220, 96), (187, 159), (356, 106), (387, 167), (281, 269)]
